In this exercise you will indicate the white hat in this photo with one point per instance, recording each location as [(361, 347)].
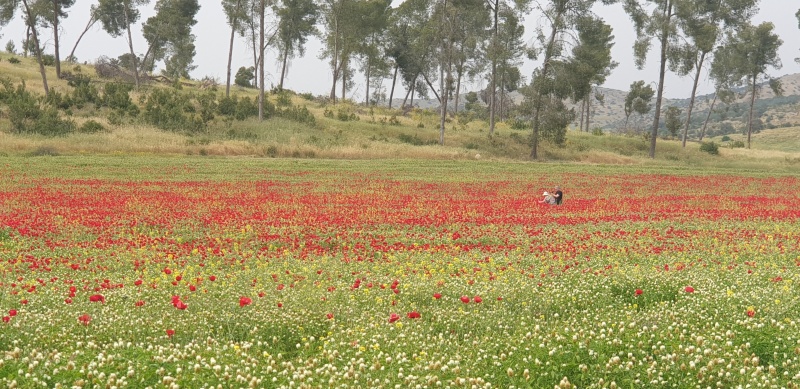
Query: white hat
[(545, 194)]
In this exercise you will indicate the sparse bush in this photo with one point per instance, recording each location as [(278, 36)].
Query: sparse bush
[(346, 116), (11, 48), (307, 96), (170, 110), (116, 95), (597, 131), (298, 114), (13, 60), (28, 116), (414, 140), (519, 124), (283, 99), (725, 138), (91, 127), (48, 60), (709, 147), (737, 144)]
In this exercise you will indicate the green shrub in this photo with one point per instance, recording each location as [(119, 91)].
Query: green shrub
[(116, 95), (709, 147), (519, 124), (737, 144), (48, 60), (346, 116), (298, 114), (83, 92), (170, 110), (414, 140), (28, 116), (92, 127), (725, 138), (283, 99), (14, 60), (307, 96), (597, 131)]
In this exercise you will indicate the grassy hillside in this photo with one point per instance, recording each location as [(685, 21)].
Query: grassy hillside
[(348, 131)]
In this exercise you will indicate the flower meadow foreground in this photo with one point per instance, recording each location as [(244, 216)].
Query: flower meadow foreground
[(302, 276)]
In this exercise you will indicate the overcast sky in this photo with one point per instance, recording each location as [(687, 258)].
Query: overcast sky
[(311, 74)]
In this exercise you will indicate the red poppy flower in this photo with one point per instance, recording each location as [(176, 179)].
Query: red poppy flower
[(329, 316), (139, 303), (465, 299), (280, 286), (245, 301), (499, 298), (212, 278), (689, 289), (97, 298), (638, 292), (192, 288), (170, 332), (280, 305), (12, 312), (85, 319), (751, 312), (437, 295), (137, 282), (24, 301), (181, 305), (413, 315), (6, 319), (394, 317), (396, 291), (167, 270), (261, 294), (68, 300), (477, 299)]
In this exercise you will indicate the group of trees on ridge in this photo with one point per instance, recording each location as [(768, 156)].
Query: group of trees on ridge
[(434, 46)]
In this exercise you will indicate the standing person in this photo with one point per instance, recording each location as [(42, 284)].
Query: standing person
[(559, 195)]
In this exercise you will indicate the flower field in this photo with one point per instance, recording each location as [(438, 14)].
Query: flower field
[(213, 273)]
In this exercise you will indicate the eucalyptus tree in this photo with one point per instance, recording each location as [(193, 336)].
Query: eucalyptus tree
[(545, 92), (410, 44), (31, 17), (654, 19), (591, 60), (297, 21), (53, 11), (117, 17), (235, 13), (372, 23), (511, 49), (638, 100), (468, 35), (703, 24), (498, 50), (751, 52), (170, 38)]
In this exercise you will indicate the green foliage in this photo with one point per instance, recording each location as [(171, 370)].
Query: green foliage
[(48, 60), (673, 120), (14, 60), (725, 138), (11, 48), (415, 140), (597, 131), (116, 96), (83, 91), (28, 116), (298, 114), (244, 77), (283, 99), (171, 110), (738, 144), (92, 127), (709, 147), (239, 109)]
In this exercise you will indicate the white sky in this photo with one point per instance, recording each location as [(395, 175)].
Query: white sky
[(311, 74)]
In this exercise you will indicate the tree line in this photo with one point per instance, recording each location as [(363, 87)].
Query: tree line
[(435, 46)]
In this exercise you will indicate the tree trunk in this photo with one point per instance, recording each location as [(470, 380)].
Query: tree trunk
[(752, 103), (283, 68), (662, 73), (691, 100), (537, 106), (425, 77), (458, 91), (344, 80), (368, 71), (493, 85), (262, 32), (230, 50), (394, 79), (443, 101), (92, 21), (583, 112), (588, 111), (55, 38), (130, 46), (708, 117), (32, 25), (335, 60)]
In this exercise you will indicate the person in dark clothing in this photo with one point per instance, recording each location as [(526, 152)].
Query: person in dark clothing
[(559, 195)]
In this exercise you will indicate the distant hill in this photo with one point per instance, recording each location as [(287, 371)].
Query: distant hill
[(775, 111)]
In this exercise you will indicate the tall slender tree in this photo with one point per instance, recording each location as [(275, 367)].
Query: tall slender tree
[(234, 12), (117, 17), (93, 18), (297, 21), (751, 52), (54, 11), (170, 38), (638, 100), (497, 50), (703, 23), (654, 20)]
